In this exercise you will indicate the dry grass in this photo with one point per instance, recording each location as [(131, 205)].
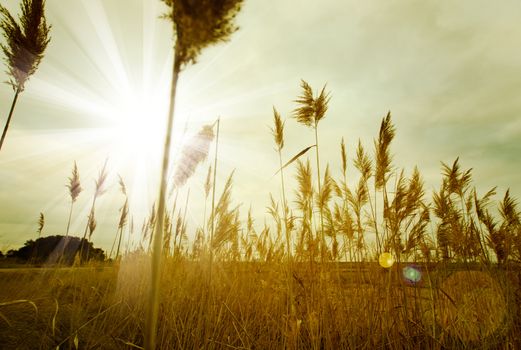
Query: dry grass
[(245, 306), (298, 282)]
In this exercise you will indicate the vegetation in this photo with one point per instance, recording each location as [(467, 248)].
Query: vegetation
[(448, 277), (54, 249), (26, 44), (366, 260), (196, 25)]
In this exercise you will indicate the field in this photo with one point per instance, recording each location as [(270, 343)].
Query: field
[(245, 306), (341, 247)]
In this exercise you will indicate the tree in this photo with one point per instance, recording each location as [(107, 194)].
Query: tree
[(196, 24), (49, 250), (26, 43)]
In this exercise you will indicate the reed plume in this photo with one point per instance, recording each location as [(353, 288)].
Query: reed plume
[(508, 210), (362, 162), (75, 189), (442, 208), (501, 238), (278, 136), (278, 130), (382, 153), (92, 224), (480, 207), (208, 182), (122, 219), (98, 191), (193, 153), (322, 202), (25, 46), (122, 186), (41, 224), (383, 168), (310, 111), (226, 228), (357, 201), (199, 24), (343, 157), (342, 214), (304, 193), (457, 181)]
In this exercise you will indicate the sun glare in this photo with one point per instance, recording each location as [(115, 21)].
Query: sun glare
[(139, 127)]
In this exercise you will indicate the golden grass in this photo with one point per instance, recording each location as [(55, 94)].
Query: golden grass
[(245, 307), (298, 282)]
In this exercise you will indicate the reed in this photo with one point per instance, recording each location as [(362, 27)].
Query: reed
[(310, 111), (25, 46), (257, 291), (196, 25), (122, 219), (382, 171), (41, 224), (99, 190), (278, 136), (75, 189)]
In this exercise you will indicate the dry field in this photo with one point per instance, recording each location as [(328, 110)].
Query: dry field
[(246, 306)]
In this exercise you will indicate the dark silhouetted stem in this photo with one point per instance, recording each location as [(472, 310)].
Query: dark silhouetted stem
[(284, 207), (91, 212), (322, 236), (69, 221), (119, 242), (13, 104), (213, 185), (65, 241), (153, 297)]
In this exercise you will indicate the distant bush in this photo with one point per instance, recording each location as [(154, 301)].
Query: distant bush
[(54, 249)]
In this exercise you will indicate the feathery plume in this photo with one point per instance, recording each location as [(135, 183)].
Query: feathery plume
[(201, 23), (41, 224), (74, 185), (193, 153), (92, 224), (208, 182), (343, 155), (278, 130), (362, 162), (122, 186), (26, 41), (24, 48), (100, 182), (311, 109), (383, 157)]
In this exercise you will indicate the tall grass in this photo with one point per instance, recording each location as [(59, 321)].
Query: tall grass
[(196, 26), (451, 280), (100, 189), (25, 46), (428, 299), (310, 112), (75, 189)]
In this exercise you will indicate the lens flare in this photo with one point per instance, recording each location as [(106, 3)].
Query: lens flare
[(412, 274), (386, 260)]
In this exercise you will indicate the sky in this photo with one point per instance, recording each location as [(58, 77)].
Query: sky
[(448, 72)]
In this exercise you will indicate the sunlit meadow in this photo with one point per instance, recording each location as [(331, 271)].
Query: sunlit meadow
[(227, 174)]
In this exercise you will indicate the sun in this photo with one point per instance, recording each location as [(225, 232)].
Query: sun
[(139, 124)]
